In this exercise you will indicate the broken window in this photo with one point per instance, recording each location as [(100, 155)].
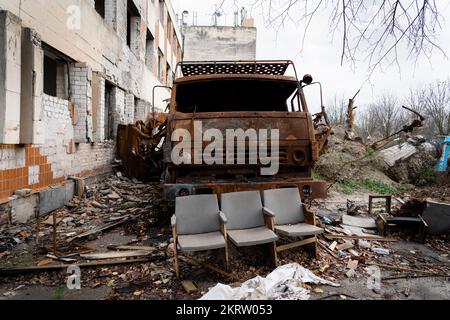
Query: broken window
[(56, 78), (150, 49), (100, 7), (109, 111), (160, 64), (235, 95), (168, 75), (161, 12), (132, 18)]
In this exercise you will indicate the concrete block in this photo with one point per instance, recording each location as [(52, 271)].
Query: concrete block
[(51, 199), (23, 192), (70, 190), (23, 209), (80, 184)]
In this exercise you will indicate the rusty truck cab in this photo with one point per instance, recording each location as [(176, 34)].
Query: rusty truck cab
[(242, 95)]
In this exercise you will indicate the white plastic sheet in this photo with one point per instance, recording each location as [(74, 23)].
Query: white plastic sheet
[(284, 283)]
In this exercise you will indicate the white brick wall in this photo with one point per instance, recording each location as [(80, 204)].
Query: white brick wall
[(12, 158), (136, 44), (59, 137), (118, 102), (59, 133), (81, 96), (99, 134), (142, 108), (129, 109)]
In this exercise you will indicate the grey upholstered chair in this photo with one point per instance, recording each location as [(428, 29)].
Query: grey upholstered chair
[(198, 225), (248, 223), (292, 219)]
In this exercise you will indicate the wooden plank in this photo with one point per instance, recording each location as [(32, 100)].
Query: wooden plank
[(296, 244), (210, 267), (344, 246), (189, 286), (131, 248), (21, 270), (125, 219), (371, 238), (402, 269), (115, 255), (333, 246), (325, 247)]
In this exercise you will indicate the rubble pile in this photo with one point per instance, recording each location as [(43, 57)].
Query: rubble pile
[(408, 160), (347, 159), (412, 161), (114, 234)]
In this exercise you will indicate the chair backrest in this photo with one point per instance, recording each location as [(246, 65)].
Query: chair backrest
[(197, 214), (286, 204), (243, 209)]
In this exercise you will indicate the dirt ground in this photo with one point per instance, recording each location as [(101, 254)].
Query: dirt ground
[(427, 265)]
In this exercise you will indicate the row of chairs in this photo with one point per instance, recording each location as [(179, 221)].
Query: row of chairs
[(199, 224)]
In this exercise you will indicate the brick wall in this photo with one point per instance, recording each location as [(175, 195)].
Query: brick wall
[(118, 101), (135, 36), (129, 109), (81, 96), (142, 108)]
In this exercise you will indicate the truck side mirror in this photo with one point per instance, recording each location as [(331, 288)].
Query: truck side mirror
[(307, 79)]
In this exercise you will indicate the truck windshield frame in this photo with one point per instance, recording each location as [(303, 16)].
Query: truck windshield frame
[(235, 95)]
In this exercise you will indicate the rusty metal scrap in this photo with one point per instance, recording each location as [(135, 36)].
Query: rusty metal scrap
[(140, 147), (417, 123)]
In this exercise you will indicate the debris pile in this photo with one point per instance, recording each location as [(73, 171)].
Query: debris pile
[(407, 162), (410, 161)]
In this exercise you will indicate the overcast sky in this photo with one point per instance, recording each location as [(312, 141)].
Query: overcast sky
[(321, 53)]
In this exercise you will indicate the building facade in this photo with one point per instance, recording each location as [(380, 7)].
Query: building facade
[(70, 73), (220, 43)]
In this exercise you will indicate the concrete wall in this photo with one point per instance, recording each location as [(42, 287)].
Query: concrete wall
[(209, 43), (44, 139)]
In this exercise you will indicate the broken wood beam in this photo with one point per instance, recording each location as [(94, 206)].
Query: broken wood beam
[(22, 270), (325, 247), (296, 244), (107, 226), (370, 238), (115, 255), (402, 269), (194, 261), (130, 248)]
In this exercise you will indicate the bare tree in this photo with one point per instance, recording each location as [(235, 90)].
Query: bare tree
[(434, 102), (337, 111), (372, 31), (386, 115)]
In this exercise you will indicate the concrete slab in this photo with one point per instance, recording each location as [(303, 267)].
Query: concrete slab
[(362, 222), (70, 190), (23, 209), (51, 199)]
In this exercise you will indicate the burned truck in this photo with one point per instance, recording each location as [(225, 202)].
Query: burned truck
[(211, 99)]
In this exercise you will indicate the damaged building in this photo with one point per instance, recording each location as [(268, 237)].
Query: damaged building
[(70, 73)]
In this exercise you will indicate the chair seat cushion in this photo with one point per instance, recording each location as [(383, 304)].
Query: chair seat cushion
[(298, 230), (252, 237), (201, 242)]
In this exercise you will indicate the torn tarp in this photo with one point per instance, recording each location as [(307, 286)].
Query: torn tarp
[(284, 283)]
